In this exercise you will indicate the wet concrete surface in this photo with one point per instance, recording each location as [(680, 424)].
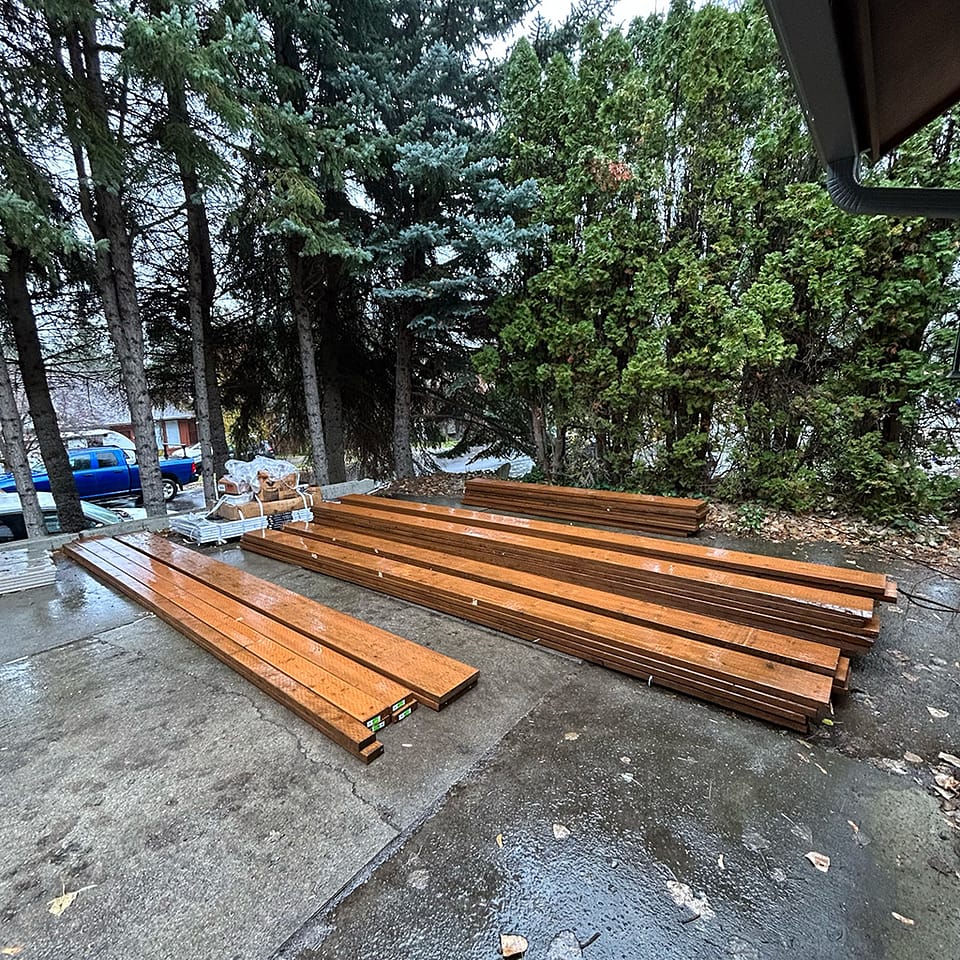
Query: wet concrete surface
[(662, 804), (206, 821)]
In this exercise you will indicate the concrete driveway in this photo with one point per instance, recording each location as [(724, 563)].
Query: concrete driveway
[(197, 818)]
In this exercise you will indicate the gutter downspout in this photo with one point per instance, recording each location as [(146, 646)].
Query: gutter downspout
[(850, 195)]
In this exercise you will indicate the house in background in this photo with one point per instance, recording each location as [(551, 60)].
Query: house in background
[(96, 416)]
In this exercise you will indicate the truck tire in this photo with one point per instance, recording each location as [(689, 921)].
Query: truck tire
[(170, 488)]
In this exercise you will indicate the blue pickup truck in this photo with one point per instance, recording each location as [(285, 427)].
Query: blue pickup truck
[(105, 472)]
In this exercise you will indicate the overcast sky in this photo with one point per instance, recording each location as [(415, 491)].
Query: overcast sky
[(623, 11)]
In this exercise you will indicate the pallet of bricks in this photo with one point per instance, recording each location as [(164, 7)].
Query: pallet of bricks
[(345, 677), (770, 638), (677, 516)]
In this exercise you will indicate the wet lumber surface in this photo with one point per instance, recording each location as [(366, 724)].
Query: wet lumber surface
[(322, 673), (776, 646)]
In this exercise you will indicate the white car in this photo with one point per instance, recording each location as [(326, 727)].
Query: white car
[(12, 526)]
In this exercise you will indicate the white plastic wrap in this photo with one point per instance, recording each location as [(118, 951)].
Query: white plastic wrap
[(248, 470)]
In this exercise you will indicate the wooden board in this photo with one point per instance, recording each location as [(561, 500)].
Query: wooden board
[(818, 657), (859, 583), (644, 578), (803, 688), (434, 678), (314, 709), (363, 694)]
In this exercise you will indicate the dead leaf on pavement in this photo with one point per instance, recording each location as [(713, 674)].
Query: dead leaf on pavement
[(906, 921), (627, 760), (58, 904), (853, 826), (512, 945), (937, 713), (912, 757), (819, 860), (560, 832), (13, 950), (947, 782), (572, 735), (500, 840)]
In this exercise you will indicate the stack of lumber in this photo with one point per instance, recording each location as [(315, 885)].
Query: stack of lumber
[(26, 567), (676, 516), (346, 678), (770, 638)]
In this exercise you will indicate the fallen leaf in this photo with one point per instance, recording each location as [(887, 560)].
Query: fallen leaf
[(803, 757), (947, 782), (950, 758), (827, 722), (819, 860), (572, 735), (720, 862), (627, 760), (937, 713), (912, 757), (512, 945), (560, 832), (58, 904), (821, 769), (853, 826), (906, 921), (500, 840), (11, 951)]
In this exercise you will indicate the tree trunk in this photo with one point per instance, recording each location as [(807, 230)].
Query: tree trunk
[(103, 212), (333, 422), (308, 363), (15, 452), (330, 368), (32, 369), (539, 423), (403, 402), (199, 285), (218, 434)]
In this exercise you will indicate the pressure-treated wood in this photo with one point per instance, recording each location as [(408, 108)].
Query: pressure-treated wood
[(818, 657), (434, 678), (775, 687), (364, 694), (638, 511), (785, 607), (306, 703), (860, 583)]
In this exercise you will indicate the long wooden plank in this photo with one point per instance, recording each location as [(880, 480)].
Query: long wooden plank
[(434, 678), (318, 669), (813, 604), (862, 583), (821, 658), (750, 671), (344, 730), (612, 654), (534, 491)]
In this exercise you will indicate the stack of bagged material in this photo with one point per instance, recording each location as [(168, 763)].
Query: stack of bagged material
[(262, 487), (635, 511), (345, 677)]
